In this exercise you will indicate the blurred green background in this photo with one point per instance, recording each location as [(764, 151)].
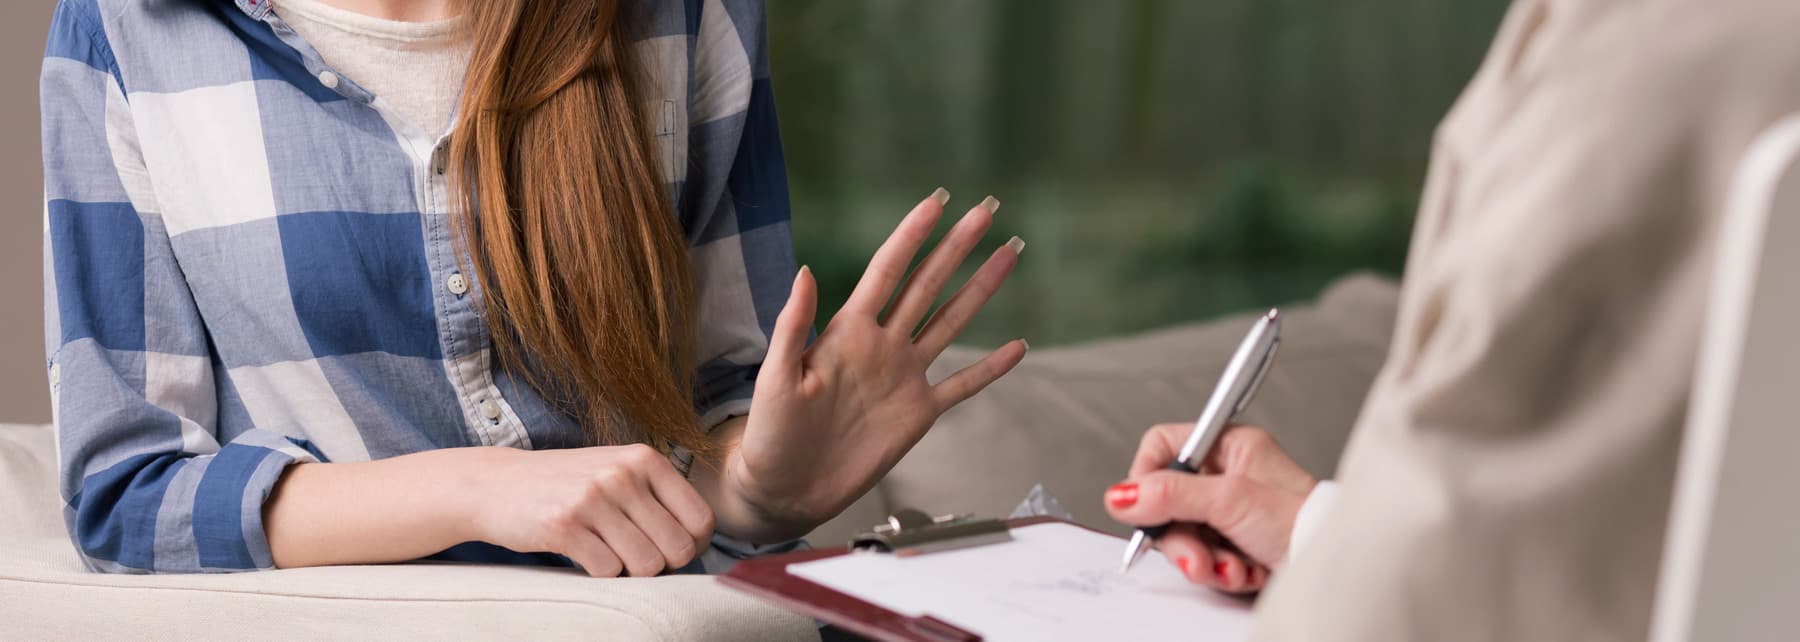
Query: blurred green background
[(1166, 160)]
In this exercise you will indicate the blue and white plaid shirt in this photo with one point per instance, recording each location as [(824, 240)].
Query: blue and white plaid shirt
[(249, 264)]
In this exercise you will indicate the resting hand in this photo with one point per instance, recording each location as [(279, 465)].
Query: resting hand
[(1248, 490), (610, 509), (827, 421)]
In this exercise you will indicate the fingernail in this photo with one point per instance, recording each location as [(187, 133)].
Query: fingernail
[(1183, 562), (1025, 343), (942, 196), (1219, 569), (1122, 495), (804, 270), (1016, 244), (991, 204)]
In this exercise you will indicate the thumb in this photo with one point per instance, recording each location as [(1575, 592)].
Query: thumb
[(787, 344)]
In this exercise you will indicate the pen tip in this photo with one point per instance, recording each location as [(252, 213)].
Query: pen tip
[(1133, 551)]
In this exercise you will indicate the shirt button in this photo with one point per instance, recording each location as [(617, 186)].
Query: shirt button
[(490, 410), (55, 374), (328, 79), (457, 284)]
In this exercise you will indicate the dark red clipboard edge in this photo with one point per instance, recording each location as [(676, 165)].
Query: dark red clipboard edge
[(767, 578)]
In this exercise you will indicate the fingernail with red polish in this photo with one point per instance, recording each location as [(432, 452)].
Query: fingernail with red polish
[(1220, 569), (1122, 495), (1183, 562)]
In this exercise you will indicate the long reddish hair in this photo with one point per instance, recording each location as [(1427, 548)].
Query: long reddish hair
[(562, 216)]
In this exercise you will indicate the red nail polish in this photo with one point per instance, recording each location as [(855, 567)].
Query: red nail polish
[(1183, 562), (1219, 568), (1122, 495)]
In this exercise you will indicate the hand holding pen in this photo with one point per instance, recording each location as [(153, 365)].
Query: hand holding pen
[(1250, 492)]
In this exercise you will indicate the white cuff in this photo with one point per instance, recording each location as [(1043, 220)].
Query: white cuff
[(1312, 511)]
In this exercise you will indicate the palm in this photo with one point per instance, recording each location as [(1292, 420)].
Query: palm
[(829, 420)]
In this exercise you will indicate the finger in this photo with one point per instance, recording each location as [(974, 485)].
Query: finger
[(787, 345), (1253, 452), (1232, 567), (954, 317), (676, 497), (677, 545), (587, 551), (1160, 445), (1235, 446), (1231, 571), (968, 381), (641, 557), (927, 282), (1181, 544), (1259, 578), (889, 263)]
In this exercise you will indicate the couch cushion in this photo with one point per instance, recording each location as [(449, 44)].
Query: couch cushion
[(45, 595), (1071, 417)]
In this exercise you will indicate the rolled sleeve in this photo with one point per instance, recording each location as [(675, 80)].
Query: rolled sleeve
[(162, 512), (727, 551), (725, 387), (742, 245)]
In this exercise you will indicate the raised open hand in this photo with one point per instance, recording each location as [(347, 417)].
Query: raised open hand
[(828, 421)]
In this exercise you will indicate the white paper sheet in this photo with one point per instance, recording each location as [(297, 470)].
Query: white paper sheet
[(1053, 581)]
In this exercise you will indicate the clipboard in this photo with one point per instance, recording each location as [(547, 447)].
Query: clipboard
[(907, 533)]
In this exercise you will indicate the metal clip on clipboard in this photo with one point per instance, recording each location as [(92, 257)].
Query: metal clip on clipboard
[(911, 532)]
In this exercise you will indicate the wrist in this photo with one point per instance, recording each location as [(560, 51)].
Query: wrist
[(754, 516), (740, 510), (464, 488)]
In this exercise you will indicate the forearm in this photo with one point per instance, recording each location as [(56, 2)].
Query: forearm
[(734, 514), (391, 510)]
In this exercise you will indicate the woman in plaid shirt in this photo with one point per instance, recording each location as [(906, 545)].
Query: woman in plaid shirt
[(359, 281)]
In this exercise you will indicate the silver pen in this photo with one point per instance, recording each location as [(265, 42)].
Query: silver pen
[(1242, 376)]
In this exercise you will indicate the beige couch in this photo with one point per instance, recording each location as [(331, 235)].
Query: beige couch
[(1067, 417)]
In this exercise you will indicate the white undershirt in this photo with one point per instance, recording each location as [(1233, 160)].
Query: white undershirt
[(414, 69)]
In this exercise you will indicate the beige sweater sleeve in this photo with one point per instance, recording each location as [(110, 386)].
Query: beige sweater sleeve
[(1509, 477)]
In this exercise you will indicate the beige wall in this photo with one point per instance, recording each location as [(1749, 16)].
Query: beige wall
[(24, 396)]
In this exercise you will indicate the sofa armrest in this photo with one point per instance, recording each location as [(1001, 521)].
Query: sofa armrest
[(45, 594)]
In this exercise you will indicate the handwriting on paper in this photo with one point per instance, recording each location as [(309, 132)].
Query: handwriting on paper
[(1085, 582)]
